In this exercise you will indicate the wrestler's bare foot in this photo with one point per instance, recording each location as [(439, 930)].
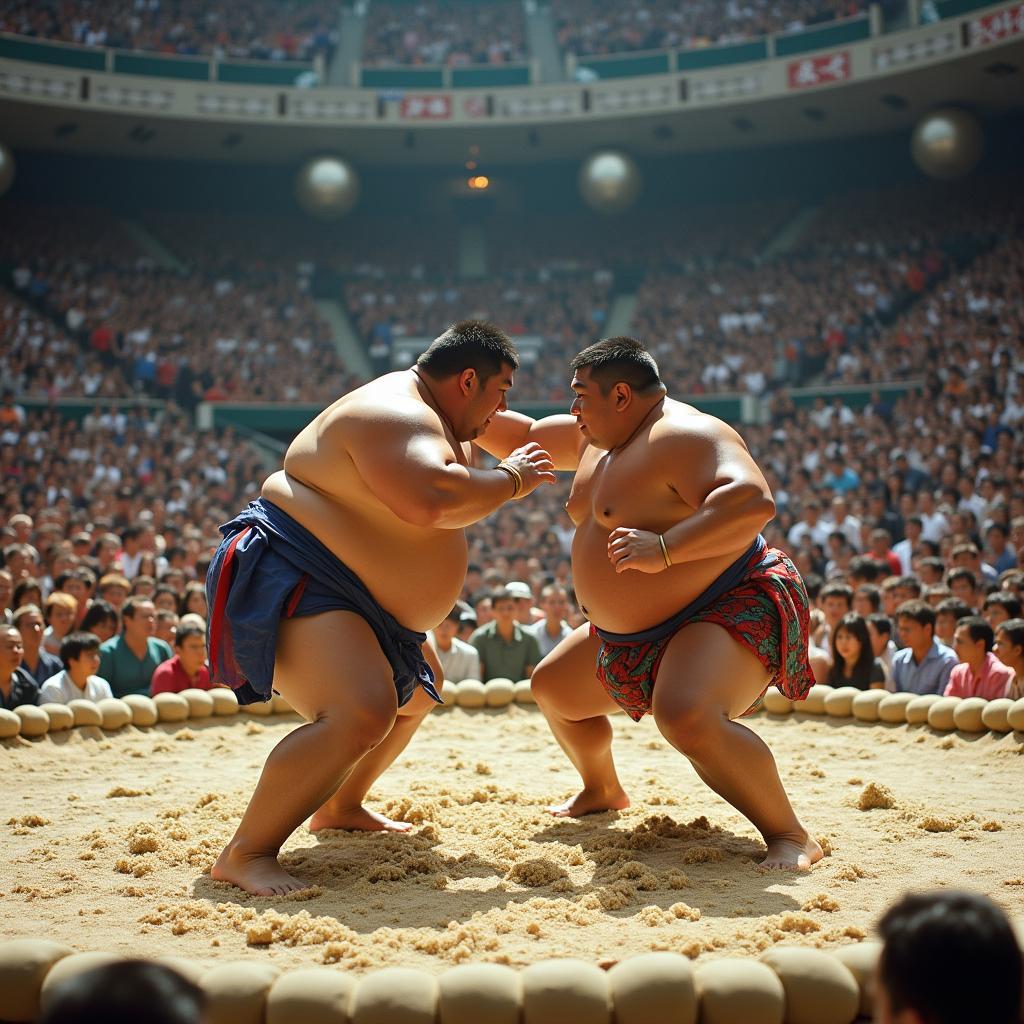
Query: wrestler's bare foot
[(791, 853), (592, 801), (259, 874), (356, 819)]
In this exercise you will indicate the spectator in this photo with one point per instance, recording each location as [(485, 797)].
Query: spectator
[(27, 591), (835, 600), (506, 650), (59, 613), (999, 607), (554, 602), (131, 554), (880, 549), (1009, 649), (77, 680), (143, 585), (960, 937), (913, 527), (114, 589), (980, 673), (964, 584), (523, 597), (882, 646), (166, 626), (458, 658), (165, 598), (948, 613), (123, 993), (101, 619), (853, 660), (6, 594), (187, 669), (37, 663), (128, 661), (867, 599), (193, 600), (923, 665), (16, 685)]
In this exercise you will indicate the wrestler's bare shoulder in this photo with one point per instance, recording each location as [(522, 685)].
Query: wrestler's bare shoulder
[(687, 424)]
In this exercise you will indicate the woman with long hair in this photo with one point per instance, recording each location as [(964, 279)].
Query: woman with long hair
[(853, 661)]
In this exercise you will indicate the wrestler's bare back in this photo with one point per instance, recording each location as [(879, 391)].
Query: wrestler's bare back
[(415, 572), (633, 487)]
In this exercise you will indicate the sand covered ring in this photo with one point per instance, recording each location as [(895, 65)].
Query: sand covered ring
[(200, 703), (224, 701), (524, 692), (171, 707)]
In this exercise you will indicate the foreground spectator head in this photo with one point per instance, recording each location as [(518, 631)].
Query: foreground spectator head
[(101, 618), (523, 596), (124, 993), (867, 599), (29, 620), (962, 938), (60, 612), (165, 599), (143, 586), (835, 600), (504, 605)]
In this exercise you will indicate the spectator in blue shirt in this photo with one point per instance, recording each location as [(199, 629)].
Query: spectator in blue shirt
[(923, 665)]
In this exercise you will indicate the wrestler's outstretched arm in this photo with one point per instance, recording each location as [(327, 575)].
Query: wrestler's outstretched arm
[(408, 463), (710, 469), (558, 435)]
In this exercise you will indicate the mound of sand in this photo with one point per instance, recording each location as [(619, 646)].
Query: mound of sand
[(108, 843)]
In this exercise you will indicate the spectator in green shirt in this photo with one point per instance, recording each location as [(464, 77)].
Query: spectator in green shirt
[(506, 649), (128, 661)]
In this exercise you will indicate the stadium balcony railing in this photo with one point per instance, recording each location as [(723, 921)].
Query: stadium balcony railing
[(619, 65), (157, 65)]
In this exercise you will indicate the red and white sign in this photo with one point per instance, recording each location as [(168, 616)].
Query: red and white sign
[(426, 108), (991, 28), (475, 106), (823, 70)]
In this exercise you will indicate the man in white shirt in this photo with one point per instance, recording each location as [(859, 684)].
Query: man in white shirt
[(554, 602), (809, 526), (458, 659), (80, 653)]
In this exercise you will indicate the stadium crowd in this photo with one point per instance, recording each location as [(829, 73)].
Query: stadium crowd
[(452, 32), (253, 29), (917, 497), (605, 26)]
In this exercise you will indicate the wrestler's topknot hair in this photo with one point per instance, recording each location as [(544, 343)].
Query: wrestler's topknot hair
[(469, 344), (620, 359)]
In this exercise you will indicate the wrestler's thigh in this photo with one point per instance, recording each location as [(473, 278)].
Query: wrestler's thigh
[(566, 680), (333, 662), (703, 667)]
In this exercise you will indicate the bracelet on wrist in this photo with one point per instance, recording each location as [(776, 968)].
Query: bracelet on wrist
[(517, 477), (664, 550)]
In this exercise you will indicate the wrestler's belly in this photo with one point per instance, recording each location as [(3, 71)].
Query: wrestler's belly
[(631, 601), (414, 573)]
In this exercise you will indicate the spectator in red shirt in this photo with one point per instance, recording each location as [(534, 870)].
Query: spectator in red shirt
[(980, 673), (187, 669)]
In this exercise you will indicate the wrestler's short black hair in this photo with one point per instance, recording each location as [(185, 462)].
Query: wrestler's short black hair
[(958, 937), (619, 359), (469, 344)]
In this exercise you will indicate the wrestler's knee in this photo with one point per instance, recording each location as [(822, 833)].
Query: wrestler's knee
[(359, 728), (685, 720), (544, 685)]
